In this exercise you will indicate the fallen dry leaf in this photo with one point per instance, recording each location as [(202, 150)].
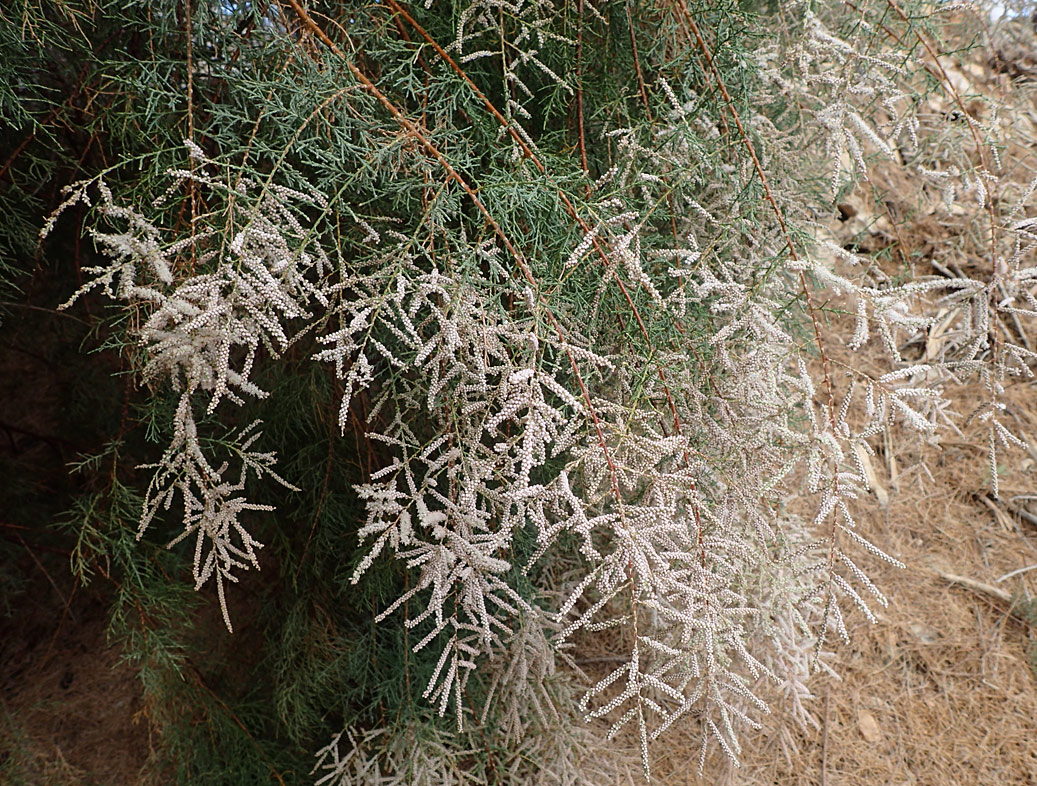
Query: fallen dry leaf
[(868, 726), (869, 473)]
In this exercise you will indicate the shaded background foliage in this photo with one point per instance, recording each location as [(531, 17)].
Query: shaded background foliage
[(87, 86)]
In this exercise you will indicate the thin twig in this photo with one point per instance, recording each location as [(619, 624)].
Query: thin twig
[(197, 675), (637, 60), (579, 92), (52, 311), (769, 195), (824, 741), (1016, 572), (975, 586), (1012, 508), (64, 600)]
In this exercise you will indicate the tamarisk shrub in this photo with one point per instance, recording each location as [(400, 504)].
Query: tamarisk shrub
[(565, 270)]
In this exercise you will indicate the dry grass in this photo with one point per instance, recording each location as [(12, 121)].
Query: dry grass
[(70, 712), (942, 689)]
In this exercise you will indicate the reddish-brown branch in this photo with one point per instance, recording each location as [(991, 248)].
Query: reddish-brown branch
[(48, 119), (191, 185), (579, 91), (769, 196), (531, 155), (637, 61), (28, 140)]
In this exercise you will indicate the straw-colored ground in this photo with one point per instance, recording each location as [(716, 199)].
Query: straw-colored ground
[(941, 690)]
